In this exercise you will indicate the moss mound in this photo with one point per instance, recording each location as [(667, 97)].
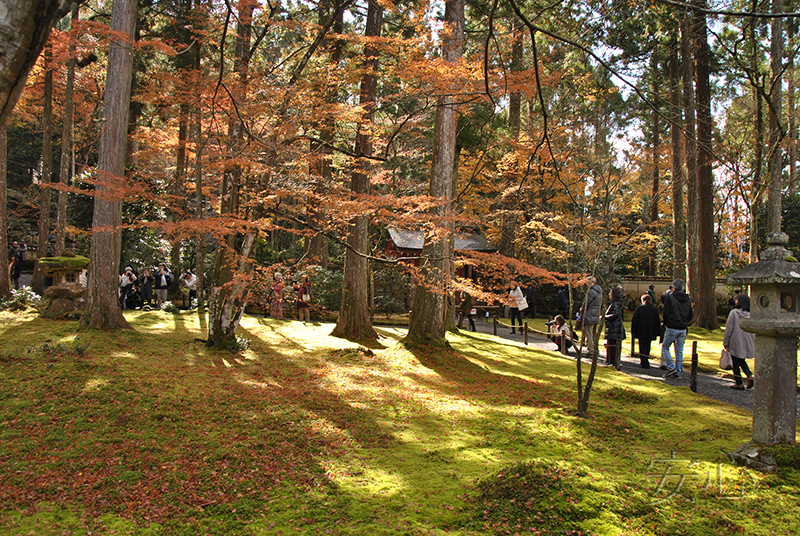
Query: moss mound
[(533, 497)]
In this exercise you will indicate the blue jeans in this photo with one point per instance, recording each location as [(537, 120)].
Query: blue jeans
[(677, 336)]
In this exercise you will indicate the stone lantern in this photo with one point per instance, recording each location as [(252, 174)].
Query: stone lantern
[(775, 319)]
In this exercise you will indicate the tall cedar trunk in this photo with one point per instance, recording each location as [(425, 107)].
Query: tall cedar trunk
[(791, 114), (227, 297), (775, 95), (354, 317), (23, 34), (5, 281), (47, 170), (689, 115), (102, 306), (178, 188), (199, 267), (678, 218), (656, 128), (322, 169), (66, 143), (703, 290), (759, 185), (427, 323)]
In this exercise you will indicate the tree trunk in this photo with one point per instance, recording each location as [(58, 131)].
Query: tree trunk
[(66, 143), (656, 128), (428, 321), (354, 318), (678, 218), (704, 291), (775, 135), (791, 114), (226, 304), (322, 169), (199, 267), (5, 281), (47, 170), (102, 306), (227, 296), (178, 188), (757, 190), (690, 112), (23, 34)]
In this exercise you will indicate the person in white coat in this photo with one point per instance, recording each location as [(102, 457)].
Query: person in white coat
[(740, 343), (518, 304)]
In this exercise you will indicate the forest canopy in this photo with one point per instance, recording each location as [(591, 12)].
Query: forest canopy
[(587, 137)]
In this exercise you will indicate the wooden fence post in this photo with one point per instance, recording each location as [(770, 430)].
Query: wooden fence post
[(525, 333), (693, 376), (495, 324)]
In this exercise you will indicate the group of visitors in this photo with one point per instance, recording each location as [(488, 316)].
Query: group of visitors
[(277, 294), (670, 326), (17, 256), (151, 289)]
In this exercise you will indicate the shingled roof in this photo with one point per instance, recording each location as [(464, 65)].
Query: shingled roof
[(414, 240)]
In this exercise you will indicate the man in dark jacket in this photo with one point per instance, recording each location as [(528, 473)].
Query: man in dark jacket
[(645, 328), (677, 315), (530, 297), (591, 313)]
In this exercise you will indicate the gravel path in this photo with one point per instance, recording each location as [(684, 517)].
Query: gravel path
[(715, 386)]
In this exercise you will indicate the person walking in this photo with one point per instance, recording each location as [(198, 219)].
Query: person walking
[(591, 314), (677, 314), (739, 343), (651, 290), (276, 296), (14, 264), (466, 311), (615, 329), (645, 328), (518, 304), (561, 302), (530, 297), (303, 289)]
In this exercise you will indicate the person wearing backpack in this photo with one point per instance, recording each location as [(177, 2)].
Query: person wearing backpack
[(677, 314)]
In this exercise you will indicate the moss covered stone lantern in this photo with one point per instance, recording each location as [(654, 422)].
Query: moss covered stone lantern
[(775, 319)]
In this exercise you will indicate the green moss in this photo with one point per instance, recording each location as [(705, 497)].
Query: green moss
[(51, 263)]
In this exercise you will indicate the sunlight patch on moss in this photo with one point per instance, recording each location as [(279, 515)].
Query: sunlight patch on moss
[(94, 384), (264, 383), (124, 354)]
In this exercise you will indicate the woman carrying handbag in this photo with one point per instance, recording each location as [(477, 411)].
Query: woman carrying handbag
[(740, 343)]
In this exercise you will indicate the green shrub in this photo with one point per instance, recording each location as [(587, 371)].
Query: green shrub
[(54, 350), (20, 299)]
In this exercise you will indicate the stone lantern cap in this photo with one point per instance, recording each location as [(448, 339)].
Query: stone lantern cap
[(767, 272), (775, 291)]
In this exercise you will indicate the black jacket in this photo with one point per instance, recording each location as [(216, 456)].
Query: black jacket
[(158, 283), (615, 330), (678, 310), (646, 323)]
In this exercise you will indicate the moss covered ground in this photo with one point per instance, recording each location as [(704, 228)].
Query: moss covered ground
[(148, 431)]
